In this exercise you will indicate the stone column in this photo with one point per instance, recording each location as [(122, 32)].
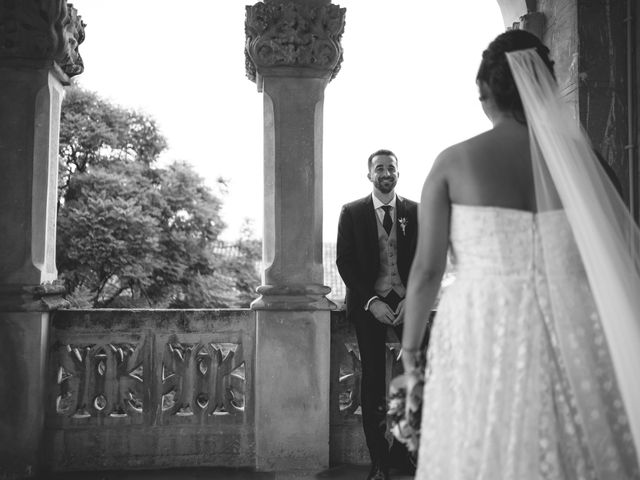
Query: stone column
[(588, 42), (38, 54), (293, 50)]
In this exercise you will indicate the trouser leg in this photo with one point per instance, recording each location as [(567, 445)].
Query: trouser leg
[(372, 336), (371, 342)]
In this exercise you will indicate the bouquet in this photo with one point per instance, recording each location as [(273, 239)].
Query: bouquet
[(405, 408)]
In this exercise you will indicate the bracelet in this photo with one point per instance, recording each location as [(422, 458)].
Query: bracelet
[(411, 350)]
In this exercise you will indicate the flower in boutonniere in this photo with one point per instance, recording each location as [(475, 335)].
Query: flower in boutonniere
[(403, 224)]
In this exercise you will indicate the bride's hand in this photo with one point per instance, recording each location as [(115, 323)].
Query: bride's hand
[(406, 383), (398, 389), (405, 393), (414, 393), (398, 384)]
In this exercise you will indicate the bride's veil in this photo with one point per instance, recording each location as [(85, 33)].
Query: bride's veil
[(586, 232)]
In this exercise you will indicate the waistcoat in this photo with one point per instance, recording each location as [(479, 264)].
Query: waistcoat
[(388, 276)]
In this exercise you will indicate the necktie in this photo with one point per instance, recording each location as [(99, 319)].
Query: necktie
[(386, 221)]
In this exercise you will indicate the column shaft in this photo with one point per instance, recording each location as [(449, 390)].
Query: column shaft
[(30, 102), (293, 180)]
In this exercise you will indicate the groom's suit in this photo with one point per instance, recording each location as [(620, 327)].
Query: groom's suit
[(364, 254)]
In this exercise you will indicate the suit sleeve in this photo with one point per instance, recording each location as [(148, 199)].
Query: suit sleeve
[(406, 256), (414, 238), (346, 258)]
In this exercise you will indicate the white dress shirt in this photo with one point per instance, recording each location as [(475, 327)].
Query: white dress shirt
[(377, 205)]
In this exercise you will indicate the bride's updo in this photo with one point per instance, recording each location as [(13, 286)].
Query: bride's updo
[(495, 72)]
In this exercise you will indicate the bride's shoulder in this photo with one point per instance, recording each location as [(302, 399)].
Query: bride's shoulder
[(452, 157), (470, 143), (470, 148), (477, 142)]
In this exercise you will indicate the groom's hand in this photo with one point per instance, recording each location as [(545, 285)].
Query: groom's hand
[(399, 313), (382, 312)]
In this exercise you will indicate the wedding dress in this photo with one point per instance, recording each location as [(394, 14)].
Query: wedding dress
[(533, 367), (498, 403)]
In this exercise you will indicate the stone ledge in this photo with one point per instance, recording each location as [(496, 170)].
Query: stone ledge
[(32, 298)]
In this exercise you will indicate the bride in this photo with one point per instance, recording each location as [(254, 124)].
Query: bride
[(533, 364)]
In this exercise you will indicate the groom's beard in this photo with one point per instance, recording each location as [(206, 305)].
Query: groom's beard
[(385, 184)]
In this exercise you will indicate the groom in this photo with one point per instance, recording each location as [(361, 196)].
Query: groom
[(376, 244)]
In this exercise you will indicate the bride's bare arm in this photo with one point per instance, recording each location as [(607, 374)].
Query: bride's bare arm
[(431, 257)]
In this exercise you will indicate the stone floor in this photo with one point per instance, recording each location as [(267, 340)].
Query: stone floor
[(345, 472)]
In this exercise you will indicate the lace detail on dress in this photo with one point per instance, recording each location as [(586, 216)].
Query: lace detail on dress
[(499, 402)]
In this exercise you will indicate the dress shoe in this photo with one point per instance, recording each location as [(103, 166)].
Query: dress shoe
[(378, 472)]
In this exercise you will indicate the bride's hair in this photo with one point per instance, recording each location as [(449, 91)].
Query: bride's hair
[(495, 72)]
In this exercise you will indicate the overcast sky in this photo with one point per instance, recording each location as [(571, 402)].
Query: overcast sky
[(407, 83)]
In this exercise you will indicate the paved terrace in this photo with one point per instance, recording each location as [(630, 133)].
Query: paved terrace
[(345, 472)]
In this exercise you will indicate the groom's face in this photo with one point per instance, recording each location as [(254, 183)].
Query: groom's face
[(383, 173)]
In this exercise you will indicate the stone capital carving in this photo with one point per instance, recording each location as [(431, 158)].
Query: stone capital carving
[(303, 34), (37, 30)]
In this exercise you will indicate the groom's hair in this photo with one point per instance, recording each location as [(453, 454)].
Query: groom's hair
[(495, 71), (382, 151)]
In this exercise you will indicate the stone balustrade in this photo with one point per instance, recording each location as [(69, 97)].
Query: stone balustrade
[(152, 388), (176, 388)]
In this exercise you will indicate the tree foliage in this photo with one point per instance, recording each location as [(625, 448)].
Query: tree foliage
[(132, 233)]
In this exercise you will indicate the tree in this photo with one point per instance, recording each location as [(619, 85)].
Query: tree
[(107, 239), (131, 233), (93, 130), (244, 267)]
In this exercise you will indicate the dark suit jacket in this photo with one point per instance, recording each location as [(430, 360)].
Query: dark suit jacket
[(358, 255)]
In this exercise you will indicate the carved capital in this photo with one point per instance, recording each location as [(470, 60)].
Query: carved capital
[(49, 30), (301, 34)]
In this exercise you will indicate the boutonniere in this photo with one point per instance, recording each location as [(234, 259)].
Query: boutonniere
[(403, 224)]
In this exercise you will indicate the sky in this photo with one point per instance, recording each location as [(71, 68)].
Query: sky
[(407, 84)]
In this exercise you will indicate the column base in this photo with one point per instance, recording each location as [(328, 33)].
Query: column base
[(293, 297), (22, 397), (292, 390)]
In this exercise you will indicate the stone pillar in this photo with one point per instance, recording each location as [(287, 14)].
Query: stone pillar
[(588, 42), (293, 50), (604, 97), (38, 53)]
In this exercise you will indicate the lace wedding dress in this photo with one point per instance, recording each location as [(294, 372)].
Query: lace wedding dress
[(500, 396)]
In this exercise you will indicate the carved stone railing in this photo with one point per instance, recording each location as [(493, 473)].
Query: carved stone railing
[(150, 388), (176, 388), (347, 444)]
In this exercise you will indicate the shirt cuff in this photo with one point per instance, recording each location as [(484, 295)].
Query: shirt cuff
[(366, 307)]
